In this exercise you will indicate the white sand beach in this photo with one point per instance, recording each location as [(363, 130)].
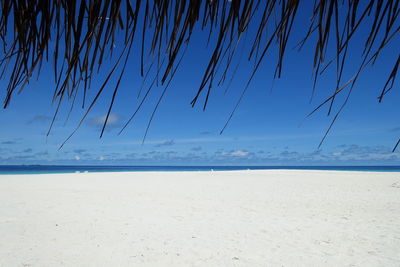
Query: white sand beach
[(237, 218)]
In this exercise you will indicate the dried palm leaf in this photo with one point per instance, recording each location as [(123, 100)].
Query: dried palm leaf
[(80, 35)]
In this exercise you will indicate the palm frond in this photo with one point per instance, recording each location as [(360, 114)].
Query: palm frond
[(76, 37)]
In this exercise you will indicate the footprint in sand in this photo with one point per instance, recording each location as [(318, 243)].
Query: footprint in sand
[(396, 185)]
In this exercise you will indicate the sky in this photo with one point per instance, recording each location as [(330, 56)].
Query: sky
[(269, 128)]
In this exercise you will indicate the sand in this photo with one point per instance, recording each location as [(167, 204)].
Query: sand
[(237, 218)]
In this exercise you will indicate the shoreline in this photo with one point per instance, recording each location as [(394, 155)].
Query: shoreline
[(202, 171)]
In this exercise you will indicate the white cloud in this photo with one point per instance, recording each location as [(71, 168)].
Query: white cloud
[(235, 153), (113, 119), (102, 158), (166, 143), (77, 158)]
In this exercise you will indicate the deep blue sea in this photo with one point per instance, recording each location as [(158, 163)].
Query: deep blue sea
[(43, 169)]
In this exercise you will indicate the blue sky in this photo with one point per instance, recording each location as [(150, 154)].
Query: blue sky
[(267, 129)]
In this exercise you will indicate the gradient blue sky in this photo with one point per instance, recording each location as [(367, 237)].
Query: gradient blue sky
[(265, 130)]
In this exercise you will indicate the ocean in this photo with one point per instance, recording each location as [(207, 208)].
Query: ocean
[(45, 169)]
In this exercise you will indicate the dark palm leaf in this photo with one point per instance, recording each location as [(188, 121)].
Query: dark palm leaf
[(81, 34)]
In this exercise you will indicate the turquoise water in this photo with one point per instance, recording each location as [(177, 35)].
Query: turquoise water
[(43, 169)]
